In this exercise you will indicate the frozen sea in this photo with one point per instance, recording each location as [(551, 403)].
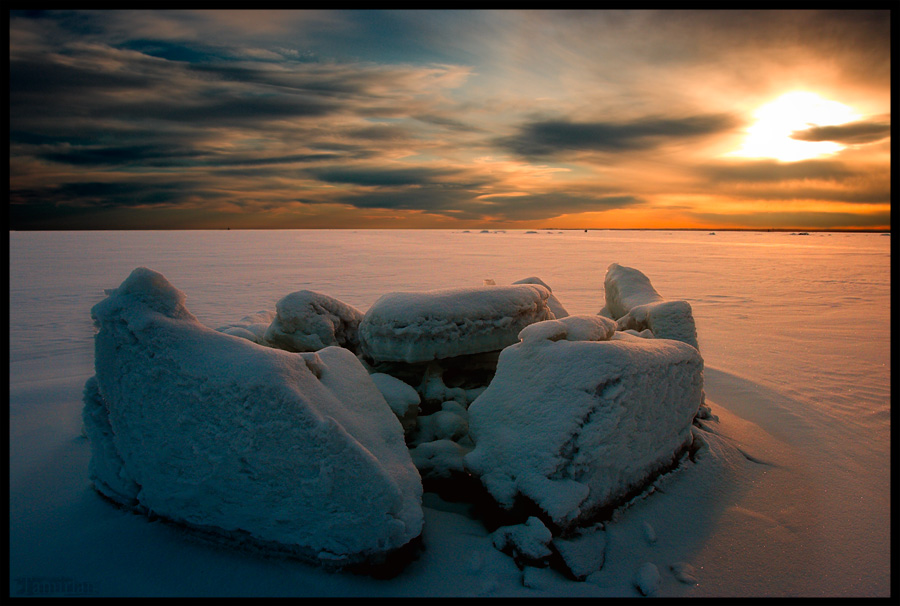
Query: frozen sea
[(794, 331)]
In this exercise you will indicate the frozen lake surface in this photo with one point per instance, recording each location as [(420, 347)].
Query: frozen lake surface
[(794, 331)]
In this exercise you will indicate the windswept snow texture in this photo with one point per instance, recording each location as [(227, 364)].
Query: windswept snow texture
[(575, 425), (422, 326), (308, 321), (296, 451), (633, 302)]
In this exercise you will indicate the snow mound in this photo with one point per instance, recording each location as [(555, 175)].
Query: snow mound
[(294, 452), (632, 301), (306, 320), (575, 426), (422, 326)]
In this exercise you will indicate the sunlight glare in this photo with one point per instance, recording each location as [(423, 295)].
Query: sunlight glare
[(770, 135)]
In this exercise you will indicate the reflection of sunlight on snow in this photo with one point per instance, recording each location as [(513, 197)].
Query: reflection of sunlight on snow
[(770, 135)]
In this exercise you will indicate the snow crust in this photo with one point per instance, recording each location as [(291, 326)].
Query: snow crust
[(635, 304), (297, 450), (575, 425), (421, 326), (306, 320)]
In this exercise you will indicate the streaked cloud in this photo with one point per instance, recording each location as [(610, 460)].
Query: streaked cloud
[(555, 137), (854, 133)]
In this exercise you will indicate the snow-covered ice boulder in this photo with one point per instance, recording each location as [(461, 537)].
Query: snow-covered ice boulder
[(575, 426), (552, 302), (296, 452), (632, 301), (527, 543), (421, 326), (583, 552), (401, 397), (306, 320), (251, 327), (440, 459)]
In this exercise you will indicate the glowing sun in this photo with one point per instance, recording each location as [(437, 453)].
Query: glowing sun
[(770, 135)]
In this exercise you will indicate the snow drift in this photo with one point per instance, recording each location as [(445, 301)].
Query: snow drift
[(573, 420), (294, 452), (632, 301)]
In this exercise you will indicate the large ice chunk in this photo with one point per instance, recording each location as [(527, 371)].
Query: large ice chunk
[(296, 451), (421, 326), (575, 426), (306, 320), (632, 301)]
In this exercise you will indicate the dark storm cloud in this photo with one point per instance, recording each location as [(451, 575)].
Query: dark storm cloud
[(554, 137), (135, 192), (431, 199), (465, 204), (854, 133), (545, 206), (383, 176), (769, 171), (146, 154)]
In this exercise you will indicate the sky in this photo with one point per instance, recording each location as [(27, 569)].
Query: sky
[(259, 119)]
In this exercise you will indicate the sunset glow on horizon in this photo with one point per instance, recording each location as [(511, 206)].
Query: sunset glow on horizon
[(455, 119)]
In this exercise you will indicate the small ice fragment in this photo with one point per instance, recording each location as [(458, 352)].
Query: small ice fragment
[(649, 533), (647, 578), (684, 573)]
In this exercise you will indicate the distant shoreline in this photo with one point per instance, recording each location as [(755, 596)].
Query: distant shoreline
[(475, 229)]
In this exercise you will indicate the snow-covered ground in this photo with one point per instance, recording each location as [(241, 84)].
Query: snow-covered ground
[(791, 499)]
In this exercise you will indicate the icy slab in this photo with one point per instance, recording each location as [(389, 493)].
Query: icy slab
[(296, 451), (635, 304), (306, 320), (552, 302), (422, 326), (574, 426)]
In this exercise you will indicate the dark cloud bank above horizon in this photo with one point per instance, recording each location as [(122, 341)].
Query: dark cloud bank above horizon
[(195, 119)]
